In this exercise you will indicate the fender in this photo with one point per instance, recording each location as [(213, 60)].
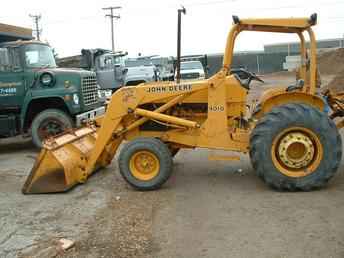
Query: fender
[(28, 99), (280, 96)]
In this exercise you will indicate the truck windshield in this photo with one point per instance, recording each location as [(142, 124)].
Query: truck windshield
[(191, 65), (39, 56), (107, 62)]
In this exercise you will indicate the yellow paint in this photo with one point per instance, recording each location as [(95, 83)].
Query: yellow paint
[(165, 118), (296, 152), (336, 102), (144, 165), (205, 113), (277, 97)]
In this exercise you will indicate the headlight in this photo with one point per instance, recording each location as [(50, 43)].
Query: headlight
[(108, 93), (99, 94), (76, 99), (47, 79)]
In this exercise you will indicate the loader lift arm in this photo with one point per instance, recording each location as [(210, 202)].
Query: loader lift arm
[(70, 158)]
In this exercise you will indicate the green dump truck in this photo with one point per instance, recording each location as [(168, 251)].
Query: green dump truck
[(37, 98)]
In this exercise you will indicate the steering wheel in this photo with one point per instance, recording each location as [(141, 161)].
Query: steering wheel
[(245, 77)]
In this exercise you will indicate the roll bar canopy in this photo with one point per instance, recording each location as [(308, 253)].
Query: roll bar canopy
[(278, 25), (300, 23)]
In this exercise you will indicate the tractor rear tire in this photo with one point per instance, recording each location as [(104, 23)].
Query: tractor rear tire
[(145, 163), (295, 147)]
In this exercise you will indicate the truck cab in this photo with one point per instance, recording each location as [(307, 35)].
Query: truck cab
[(37, 98), (191, 70), (108, 66)]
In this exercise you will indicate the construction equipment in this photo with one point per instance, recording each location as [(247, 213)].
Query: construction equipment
[(293, 145)]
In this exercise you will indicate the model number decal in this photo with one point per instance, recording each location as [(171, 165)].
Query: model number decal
[(170, 88), (216, 108), (7, 91)]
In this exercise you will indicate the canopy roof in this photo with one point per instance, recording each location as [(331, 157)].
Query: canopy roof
[(277, 24)]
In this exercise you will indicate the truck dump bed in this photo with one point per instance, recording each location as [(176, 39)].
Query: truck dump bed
[(13, 33)]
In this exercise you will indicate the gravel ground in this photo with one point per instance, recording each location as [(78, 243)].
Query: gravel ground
[(206, 209)]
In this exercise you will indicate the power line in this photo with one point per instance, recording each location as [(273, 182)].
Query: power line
[(36, 19), (259, 8), (112, 17), (236, 7)]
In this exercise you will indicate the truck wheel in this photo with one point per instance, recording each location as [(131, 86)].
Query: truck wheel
[(49, 122), (145, 163), (295, 147)]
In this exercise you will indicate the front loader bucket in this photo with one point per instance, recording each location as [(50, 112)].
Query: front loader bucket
[(59, 166)]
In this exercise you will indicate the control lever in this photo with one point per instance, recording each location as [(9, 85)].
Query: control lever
[(298, 86)]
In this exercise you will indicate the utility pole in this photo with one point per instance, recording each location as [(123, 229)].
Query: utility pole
[(111, 8), (258, 66), (179, 38), (36, 19)]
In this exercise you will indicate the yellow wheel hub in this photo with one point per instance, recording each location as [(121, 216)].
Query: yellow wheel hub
[(144, 165), (296, 152)]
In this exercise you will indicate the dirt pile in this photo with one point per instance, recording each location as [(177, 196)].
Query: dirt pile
[(337, 84), (331, 62)]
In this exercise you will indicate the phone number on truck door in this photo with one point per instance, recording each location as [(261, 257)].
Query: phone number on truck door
[(7, 91)]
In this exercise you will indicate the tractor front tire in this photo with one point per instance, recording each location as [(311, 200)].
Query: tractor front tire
[(295, 147), (145, 163), (48, 123)]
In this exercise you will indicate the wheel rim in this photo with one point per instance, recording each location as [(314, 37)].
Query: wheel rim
[(144, 165), (296, 152), (50, 127)]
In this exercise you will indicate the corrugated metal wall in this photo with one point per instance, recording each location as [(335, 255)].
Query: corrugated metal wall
[(254, 62), (295, 47)]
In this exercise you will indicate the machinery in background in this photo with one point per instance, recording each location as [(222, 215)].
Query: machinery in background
[(165, 66), (108, 66), (201, 58), (191, 70), (140, 70), (37, 98), (115, 70)]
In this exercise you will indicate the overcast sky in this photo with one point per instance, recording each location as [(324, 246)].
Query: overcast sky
[(149, 26)]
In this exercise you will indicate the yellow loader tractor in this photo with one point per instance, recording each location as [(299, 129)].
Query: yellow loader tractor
[(292, 142)]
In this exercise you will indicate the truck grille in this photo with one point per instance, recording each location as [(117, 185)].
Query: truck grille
[(189, 76), (89, 90)]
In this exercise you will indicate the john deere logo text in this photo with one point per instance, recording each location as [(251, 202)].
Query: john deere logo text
[(170, 88)]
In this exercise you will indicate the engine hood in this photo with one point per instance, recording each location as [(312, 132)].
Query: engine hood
[(140, 71), (186, 71), (66, 78)]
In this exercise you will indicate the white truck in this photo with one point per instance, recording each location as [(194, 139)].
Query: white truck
[(191, 70), (140, 70)]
